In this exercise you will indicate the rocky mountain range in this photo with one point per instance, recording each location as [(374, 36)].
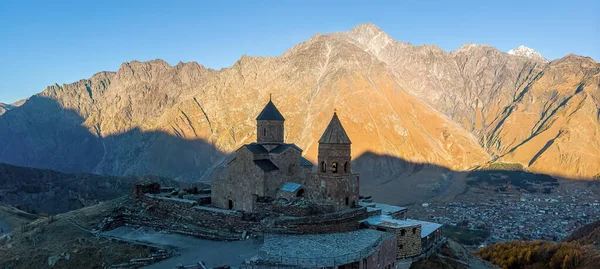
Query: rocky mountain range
[(404, 105), (4, 107)]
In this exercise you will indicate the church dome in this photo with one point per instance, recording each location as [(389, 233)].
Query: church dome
[(335, 133), (270, 112)]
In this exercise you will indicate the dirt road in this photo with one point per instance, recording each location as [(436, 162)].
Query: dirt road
[(192, 250)]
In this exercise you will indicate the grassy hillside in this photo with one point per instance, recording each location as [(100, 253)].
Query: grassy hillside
[(586, 235), (12, 218), (45, 191), (61, 241)]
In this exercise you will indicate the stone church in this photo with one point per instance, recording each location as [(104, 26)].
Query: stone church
[(271, 168)]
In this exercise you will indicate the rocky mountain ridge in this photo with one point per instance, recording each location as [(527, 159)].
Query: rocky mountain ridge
[(527, 52), (421, 104), (4, 107)]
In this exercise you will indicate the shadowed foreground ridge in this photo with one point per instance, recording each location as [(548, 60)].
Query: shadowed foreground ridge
[(41, 191)]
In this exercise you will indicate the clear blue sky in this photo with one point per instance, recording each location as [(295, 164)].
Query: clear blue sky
[(46, 42)]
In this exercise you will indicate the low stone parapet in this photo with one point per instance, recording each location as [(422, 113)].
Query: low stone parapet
[(337, 222)]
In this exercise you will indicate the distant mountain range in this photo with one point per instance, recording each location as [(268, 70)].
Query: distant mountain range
[(417, 104), (6, 107)]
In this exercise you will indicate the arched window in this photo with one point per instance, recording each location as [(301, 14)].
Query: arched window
[(346, 167), (334, 168), (323, 167)]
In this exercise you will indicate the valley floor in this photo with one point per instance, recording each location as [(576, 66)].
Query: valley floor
[(517, 216)]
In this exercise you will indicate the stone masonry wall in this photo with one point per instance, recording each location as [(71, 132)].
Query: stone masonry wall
[(187, 211), (241, 182), (409, 241), (335, 189), (399, 215), (298, 208), (384, 257), (190, 212), (337, 222), (338, 153), (290, 170), (269, 131)]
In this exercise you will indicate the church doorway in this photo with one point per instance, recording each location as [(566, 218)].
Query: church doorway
[(230, 206), (300, 193)]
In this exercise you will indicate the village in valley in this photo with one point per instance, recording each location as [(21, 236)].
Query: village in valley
[(490, 217)]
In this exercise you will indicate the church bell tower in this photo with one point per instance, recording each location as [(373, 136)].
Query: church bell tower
[(334, 149), (334, 179)]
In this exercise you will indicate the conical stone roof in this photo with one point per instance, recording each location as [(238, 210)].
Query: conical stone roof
[(270, 112), (335, 133)]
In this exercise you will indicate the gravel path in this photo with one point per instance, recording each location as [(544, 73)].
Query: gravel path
[(192, 250)]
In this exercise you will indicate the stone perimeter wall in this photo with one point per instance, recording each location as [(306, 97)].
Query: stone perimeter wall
[(187, 211), (291, 210), (337, 222)]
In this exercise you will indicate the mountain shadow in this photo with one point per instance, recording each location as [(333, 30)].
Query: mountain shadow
[(44, 134), (394, 180)]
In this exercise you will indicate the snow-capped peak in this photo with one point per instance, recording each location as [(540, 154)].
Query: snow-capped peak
[(527, 52)]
